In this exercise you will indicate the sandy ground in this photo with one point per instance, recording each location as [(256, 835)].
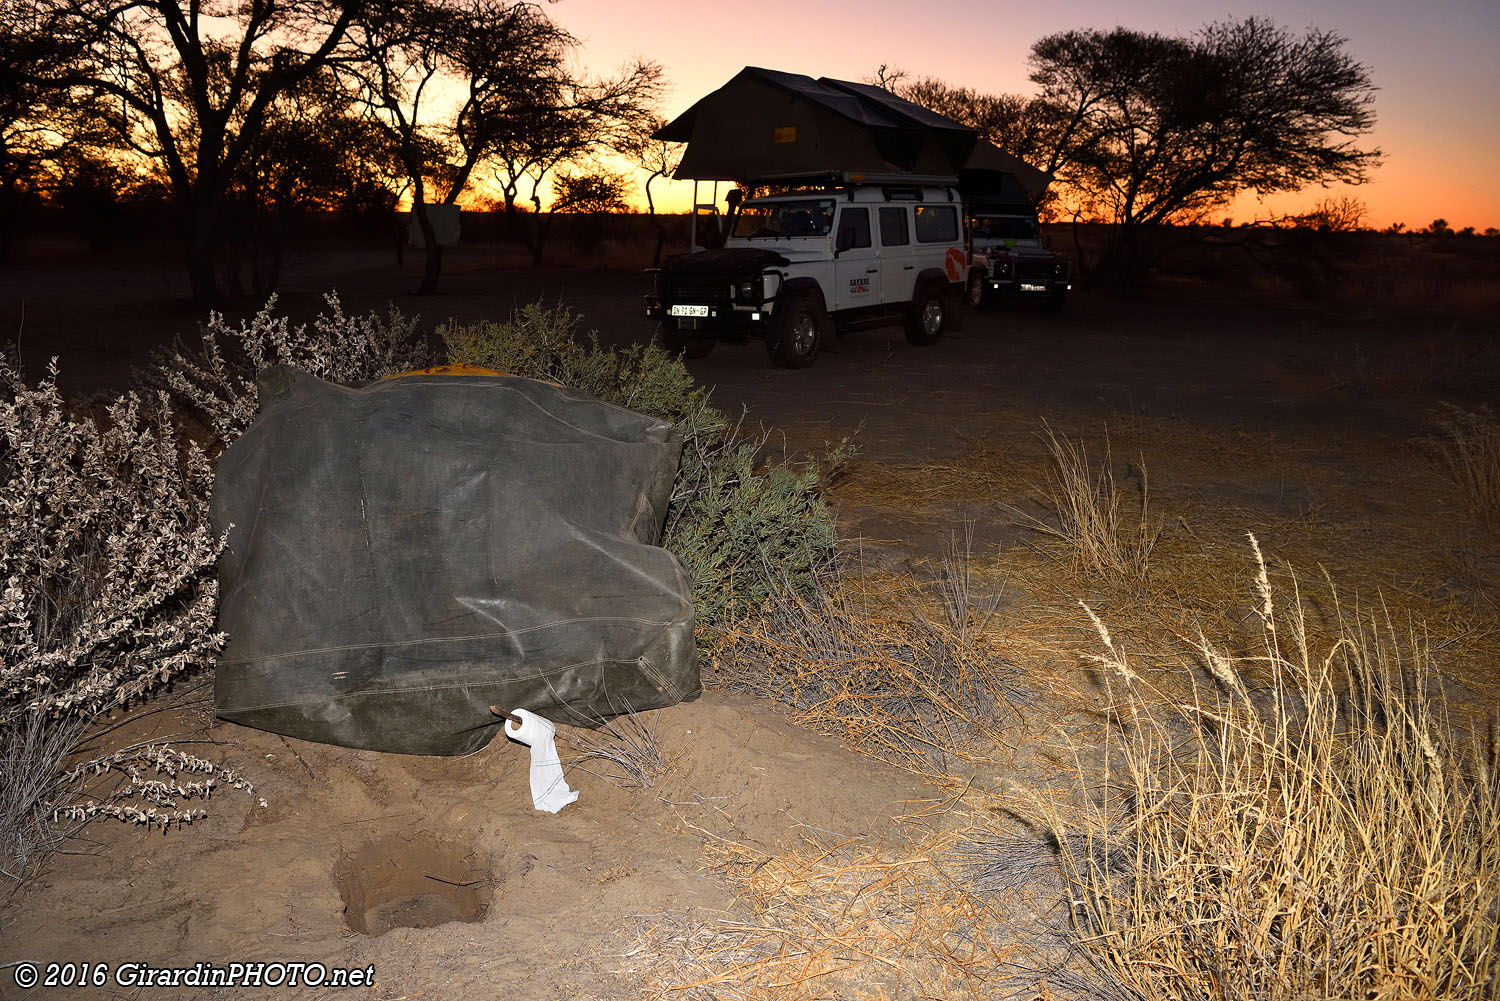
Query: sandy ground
[(1305, 425)]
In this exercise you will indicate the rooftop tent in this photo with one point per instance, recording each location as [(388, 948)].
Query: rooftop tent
[(992, 176), (767, 124)]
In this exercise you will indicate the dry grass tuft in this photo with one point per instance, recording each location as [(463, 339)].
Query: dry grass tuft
[(1104, 531), (1470, 449), (912, 684), (624, 751), (1329, 834), (830, 920)]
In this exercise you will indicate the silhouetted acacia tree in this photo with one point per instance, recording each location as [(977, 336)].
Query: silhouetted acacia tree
[(1332, 215), (590, 193), (658, 159), (1020, 125), (192, 84), (314, 149), (1159, 129), (582, 120), (509, 65), (43, 119)]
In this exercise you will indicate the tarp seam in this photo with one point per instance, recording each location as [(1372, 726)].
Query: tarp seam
[(324, 699), (468, 638)]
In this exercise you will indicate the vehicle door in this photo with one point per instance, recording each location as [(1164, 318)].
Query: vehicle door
[(940, 240), (898, 266), (856, 270)]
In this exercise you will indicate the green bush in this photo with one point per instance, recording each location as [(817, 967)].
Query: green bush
[(743, 528)]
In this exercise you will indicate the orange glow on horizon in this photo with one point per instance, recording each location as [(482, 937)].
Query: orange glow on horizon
[(1434, 66)]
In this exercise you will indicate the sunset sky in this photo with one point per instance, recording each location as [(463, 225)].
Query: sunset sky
[(1437, 65)]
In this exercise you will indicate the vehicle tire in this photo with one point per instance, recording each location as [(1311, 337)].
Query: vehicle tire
[(1055, 301), (976, 292), (928, 317), (680, 344), (797, 332)]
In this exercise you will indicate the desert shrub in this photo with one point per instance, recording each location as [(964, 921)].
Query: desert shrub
[(215, 381), (1469, 446), (1103, 529), (744, 528), (107, 568), (1326, 831)]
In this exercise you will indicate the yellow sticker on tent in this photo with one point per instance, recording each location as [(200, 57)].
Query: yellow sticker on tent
[(786, 134)]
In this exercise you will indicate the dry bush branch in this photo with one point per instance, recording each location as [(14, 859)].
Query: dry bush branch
[(81, 796), (216, 381)]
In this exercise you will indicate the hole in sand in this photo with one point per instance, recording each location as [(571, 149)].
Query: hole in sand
[(415, 880)]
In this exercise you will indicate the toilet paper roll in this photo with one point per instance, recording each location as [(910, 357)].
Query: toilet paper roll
[(549, 790)]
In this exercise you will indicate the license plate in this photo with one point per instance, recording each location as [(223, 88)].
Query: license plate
[(1026, 287), (688, 311)]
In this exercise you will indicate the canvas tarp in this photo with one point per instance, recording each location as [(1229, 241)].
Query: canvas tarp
[(404, 555)]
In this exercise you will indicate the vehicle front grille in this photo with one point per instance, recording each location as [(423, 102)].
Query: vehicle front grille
[(699, 290), (1033, 271)]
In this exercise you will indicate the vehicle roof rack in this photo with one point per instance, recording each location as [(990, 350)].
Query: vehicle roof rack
[(842, 178)]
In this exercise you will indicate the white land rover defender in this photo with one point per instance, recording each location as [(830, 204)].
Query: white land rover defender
[(1010, 259), (799, 266)]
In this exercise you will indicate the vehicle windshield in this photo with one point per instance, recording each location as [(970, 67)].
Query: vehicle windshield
[(772, 220), (1004, 227)]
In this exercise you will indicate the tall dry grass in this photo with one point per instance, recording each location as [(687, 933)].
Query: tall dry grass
[(1469, 446), (1104, 529), (1312, 825)]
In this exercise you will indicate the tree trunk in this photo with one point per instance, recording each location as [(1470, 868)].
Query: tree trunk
[(538, 229), (661, 231), (10, 211), (432, 266), (1126, 260), (202, 246)]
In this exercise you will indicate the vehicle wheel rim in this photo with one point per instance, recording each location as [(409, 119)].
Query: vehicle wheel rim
[(976, 290), (804, 335), (932, 317)]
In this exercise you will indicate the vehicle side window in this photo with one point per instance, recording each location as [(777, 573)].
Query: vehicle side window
[(893, 227), (854, 228), (937, 224)]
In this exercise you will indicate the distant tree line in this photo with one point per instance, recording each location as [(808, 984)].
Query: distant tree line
[(1141, 129), (243, 115)]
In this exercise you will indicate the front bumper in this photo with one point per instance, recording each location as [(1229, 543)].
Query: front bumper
[(1012, 286), (723, 319)]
